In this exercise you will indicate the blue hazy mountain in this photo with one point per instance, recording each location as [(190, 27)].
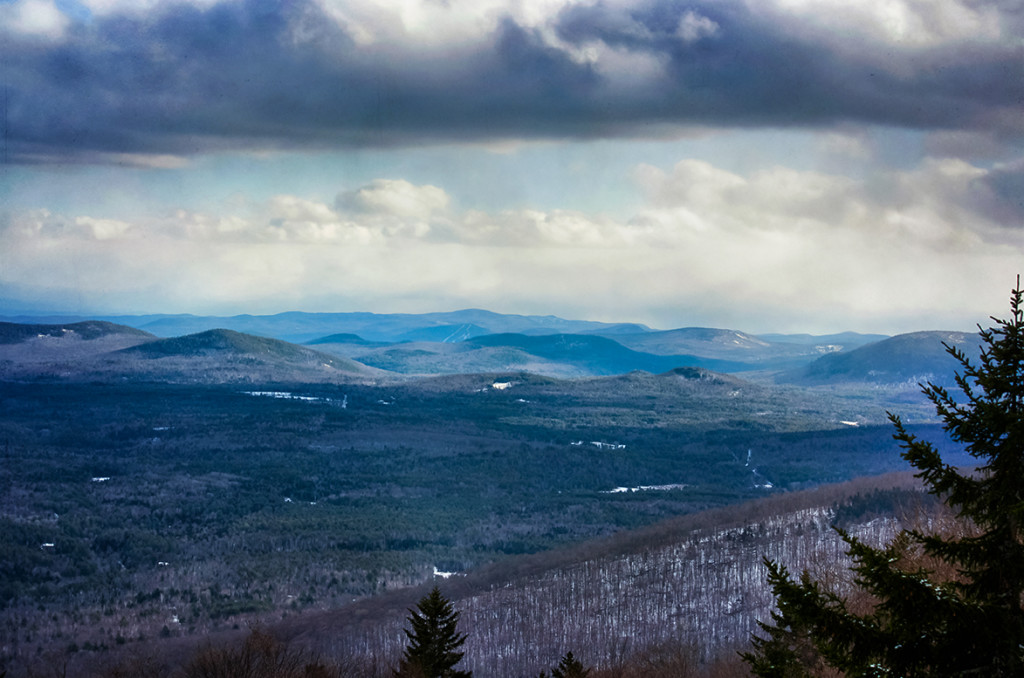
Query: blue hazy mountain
[(98, 350), (470, 341), (913, 357), (554, 355), (300, 327), (846, 340), (733, 346), (598, 355)]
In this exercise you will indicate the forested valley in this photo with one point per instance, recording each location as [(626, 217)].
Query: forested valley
[(621, 517)]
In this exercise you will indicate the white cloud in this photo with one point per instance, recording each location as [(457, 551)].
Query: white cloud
[(292, 208), (692, 27), (780, 238), (438, 24), (395, 197), (769, 249), (104, 229), (37, 18), (900, 23)]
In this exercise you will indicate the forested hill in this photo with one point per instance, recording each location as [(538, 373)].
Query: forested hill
[(13, 333), (914, 357), (102, 351), (223, 341)]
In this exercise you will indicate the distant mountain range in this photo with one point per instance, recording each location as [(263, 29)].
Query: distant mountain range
[(448, 327), (374, 346), (99, 350), (301, 327)]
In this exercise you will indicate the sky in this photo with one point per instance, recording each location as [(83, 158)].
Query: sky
[(761, 165)]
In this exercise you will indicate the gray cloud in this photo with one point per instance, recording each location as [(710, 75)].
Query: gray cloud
[(1000, 195), (180, 80), (750, 70)]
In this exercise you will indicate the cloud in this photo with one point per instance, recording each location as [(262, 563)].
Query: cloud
[(169, 80), (34, 19), (692, 27), (914, 23), (764, 250), (395, 197), (999, 194), (284, 208)]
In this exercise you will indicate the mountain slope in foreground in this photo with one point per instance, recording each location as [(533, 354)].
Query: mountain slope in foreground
[(693, 585), (696, 581)]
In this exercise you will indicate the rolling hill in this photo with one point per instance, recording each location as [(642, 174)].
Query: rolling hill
[(89, 330), (846, 341), (914, 357), (226, 356), (599, 355), (60, 350), (556, 355), (736, 347), (445, 334), (98, 350), (222, 341), (344, 338)]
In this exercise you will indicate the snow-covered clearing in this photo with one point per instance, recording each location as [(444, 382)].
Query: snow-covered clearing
[(600, 445), (645, 488), (287, 395)]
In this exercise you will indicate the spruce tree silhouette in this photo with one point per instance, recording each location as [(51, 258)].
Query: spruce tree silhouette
[(570, 667), (968, 624), (433, 640)]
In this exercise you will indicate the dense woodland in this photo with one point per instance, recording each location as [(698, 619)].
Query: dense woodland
[(150, 511)]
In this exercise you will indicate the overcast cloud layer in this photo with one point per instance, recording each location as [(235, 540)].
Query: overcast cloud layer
[(898, 205), (180, 78)]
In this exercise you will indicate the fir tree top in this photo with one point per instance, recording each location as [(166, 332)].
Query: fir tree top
[(433, 639)]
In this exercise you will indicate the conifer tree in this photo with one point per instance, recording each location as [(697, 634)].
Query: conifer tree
[(433, 646), (568, 667), (971, 624)]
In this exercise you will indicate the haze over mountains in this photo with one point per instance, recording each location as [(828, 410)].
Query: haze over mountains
[(366, 345), (299, 327)]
